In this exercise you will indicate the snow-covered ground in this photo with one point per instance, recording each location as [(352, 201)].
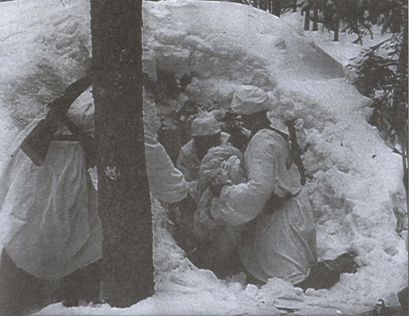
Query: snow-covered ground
[(344, 49), (356, 179)]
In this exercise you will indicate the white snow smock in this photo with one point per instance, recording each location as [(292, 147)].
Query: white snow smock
[(280, 242), (166, 183), (49, 222), (48, 215)]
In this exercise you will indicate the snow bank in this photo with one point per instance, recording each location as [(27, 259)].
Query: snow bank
[(344, 49), (355, 183), (356, 180), (45, 46)]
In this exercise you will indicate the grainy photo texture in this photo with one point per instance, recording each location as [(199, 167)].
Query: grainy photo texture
[(193, 157)]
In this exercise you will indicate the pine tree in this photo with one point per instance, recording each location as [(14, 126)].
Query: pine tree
[(315, 19), (336, 27), (306, 8), (400, 99), (124, 200), (381, 73), (276, 6)]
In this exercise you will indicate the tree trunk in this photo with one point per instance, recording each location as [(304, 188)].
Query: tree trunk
[(276, 7), (403, 68), (315, 22), (336, 29), (307, 19), (123, 197), (400, 102)]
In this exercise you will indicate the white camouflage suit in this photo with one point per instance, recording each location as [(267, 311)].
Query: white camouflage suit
[(283, 243), (281, 237), (48, 215)]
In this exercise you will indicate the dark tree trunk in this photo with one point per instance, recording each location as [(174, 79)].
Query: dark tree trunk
[(336, 28), (315, 22), (307, 19), (276, 9), (400, 101), (123, 197)]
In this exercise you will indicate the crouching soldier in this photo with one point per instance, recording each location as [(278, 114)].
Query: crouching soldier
[(280, 239), (206, 133)]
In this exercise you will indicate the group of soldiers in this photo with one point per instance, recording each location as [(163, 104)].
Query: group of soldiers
[(236, 200), (269, 213)]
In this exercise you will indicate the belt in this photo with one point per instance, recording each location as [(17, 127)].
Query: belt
[(275, 202)]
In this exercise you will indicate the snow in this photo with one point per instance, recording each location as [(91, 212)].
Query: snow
[(356, 179), (33, 50), (343, 50)]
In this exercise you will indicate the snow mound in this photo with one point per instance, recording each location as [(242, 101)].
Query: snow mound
[(355, 180), (37, 39)]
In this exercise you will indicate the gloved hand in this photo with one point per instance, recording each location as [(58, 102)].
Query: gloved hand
[(188, 204), (218, 180)]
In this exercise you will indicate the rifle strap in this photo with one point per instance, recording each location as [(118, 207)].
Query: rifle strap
[(73, 128), (291, 159), (295, 151), (285, 136)]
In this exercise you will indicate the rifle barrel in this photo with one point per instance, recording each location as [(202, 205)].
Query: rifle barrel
[(296, 151)]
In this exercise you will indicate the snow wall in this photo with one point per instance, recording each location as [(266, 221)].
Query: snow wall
[(356, 180)]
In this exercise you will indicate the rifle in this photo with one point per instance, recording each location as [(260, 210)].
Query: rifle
[(37, 143), (87, 142), (295, 152)]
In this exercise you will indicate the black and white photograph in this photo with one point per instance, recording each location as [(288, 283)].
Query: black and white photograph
[(196, 157)]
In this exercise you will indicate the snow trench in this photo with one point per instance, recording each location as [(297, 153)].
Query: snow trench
[(355, 180)]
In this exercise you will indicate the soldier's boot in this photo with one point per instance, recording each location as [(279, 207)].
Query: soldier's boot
[(325, 274), (20, 292), (403, 300), (81, 285)]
